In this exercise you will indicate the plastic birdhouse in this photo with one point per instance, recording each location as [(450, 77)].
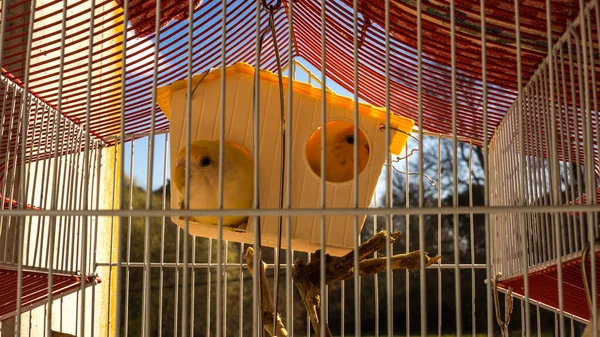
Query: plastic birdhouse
[(305, 134)]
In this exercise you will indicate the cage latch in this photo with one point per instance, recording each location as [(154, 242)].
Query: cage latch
[(508, 307)]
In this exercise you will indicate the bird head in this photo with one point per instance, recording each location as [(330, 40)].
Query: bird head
[(204, 160), (343, 136), (339, 151)]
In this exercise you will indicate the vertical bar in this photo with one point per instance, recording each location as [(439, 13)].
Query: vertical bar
[(555, 178), (57, 131), (322, 283), (3, 120), (356, 231), (257, 289), (307, 316), (472, 241), (565, 235), (597, 12), (23, 192), (288, 165), (27, 247), (376, 277), (6, 170), (3, 32), (407, 273), (224, 296), (131, 184), (530, 182), (241, 298), (592, 194), (16, 158), (423, 283), (457, 289), (221, 170), (47, 173), (186, 193), (77, 205), (45, 182), (522, 173), (176, 292), (541, 193), (93, 262), (162, 236), (66, 200), (580, 161), (589, 164), (439, 231), (86, 172), (522, 319), (209, 283), (31, 155), (572, 328), (193, 290), (112, 231), (388, 190), (569, 189), (146, 300), (538, 320), (119, 280)]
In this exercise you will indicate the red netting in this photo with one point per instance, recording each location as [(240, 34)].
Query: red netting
[(543, 286), (35, 289), (105, 102)]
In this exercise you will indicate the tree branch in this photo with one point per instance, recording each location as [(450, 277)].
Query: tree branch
[(410, 261), (307, 276), (267, 301), (336, 268)]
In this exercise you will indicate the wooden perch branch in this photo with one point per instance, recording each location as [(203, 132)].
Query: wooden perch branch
[(337, 268), (346, 262), (410, 261), (267, 300), (310, 293), (307, 276)]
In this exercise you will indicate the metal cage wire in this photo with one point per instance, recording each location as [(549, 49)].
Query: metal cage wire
[(505, 161)]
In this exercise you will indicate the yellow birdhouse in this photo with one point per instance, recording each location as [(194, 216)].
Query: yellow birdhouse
[(306, 151)]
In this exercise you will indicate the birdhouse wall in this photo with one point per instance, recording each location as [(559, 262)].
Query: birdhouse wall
[(306, 185)]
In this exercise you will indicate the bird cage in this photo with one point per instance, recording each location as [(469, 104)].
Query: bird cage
[(67, 276), (306, 126), (498, 182), (544, 154)]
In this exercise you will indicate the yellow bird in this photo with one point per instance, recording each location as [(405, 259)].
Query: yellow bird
[(238, 179), (339, 157)]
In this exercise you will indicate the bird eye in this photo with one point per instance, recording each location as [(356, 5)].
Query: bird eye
[(205, 161), (350, 139)]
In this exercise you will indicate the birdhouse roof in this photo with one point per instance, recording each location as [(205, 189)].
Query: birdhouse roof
[(302, 88)]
